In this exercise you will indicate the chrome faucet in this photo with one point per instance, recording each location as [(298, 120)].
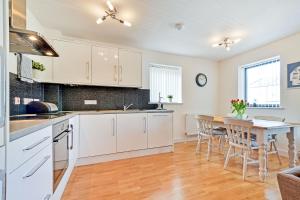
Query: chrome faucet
[(126, 107), (159, 103)]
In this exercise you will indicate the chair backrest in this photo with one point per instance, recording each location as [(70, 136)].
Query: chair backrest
[(270, 118), (239, 132), (204, 125)]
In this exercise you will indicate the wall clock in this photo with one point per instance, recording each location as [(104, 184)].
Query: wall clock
[(201, 79)]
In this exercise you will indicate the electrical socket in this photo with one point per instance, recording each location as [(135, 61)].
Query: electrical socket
[(17, 100), (27, 101), (90, 102)]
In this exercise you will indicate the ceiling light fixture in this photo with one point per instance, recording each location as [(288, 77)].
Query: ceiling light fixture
[(112, 12), (227, 43)]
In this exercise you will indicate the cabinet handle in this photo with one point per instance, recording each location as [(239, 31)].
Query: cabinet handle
[(113, 127), (36, 168), (145, 125), (71, 132), (36, 144), (87, 70), (47, 197), (120, 73), (115, 73)]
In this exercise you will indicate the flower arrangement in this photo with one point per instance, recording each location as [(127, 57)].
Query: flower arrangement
[(239, 107)]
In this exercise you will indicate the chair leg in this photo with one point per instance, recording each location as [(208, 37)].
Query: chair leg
[(227, 157), (245, 164), (198, 145), (277, 153), (209, 145)]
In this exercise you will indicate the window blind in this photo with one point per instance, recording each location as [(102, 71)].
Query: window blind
[(262, 81), (165, 80)]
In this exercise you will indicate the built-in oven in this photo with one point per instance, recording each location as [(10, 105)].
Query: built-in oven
[(62, 144)]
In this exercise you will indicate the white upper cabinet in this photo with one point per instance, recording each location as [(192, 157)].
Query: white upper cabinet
[(73, 64), (1, 23), (131, 131), (97, 135), (130, 68), (105, 66), (160, 131)]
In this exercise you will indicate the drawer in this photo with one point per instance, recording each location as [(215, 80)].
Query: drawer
[(33, 180), (22, 149)]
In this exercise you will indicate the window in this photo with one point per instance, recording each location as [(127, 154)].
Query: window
[(164, 81), (262, 83)]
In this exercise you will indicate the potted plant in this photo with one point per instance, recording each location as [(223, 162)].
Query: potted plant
[(37, 69), (170, 97), (239, 107)]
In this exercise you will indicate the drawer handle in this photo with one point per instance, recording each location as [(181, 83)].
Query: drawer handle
[(47, 197), (36, 144), (36, 168)]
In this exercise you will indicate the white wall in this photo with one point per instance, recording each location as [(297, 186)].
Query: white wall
[(288, 50)]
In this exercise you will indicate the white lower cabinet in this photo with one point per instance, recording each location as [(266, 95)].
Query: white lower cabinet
[(33, 179), (160, 131), (97, 135), (131, 131)]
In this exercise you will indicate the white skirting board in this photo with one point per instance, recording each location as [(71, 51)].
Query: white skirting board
[(123, 155)]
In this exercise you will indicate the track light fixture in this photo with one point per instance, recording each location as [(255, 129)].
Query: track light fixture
[(227, 43), (112, 12)]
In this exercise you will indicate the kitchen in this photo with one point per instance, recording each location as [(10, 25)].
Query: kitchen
[(93, 102)]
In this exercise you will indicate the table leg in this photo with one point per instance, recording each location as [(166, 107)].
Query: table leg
[(292, 148), (262, 152)]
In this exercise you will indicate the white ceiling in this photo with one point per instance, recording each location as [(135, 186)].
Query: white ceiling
[(257, 22)]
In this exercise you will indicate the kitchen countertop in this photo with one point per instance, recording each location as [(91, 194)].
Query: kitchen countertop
[(20, 128)]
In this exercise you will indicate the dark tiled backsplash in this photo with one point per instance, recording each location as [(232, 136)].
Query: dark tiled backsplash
[(71, 98)]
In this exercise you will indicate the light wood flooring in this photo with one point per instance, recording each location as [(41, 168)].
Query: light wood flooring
[(180, 175)]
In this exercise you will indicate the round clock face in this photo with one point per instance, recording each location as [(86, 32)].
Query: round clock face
[(201, 80)]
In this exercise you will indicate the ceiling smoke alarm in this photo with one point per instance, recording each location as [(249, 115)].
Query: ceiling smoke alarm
[(179, 26)]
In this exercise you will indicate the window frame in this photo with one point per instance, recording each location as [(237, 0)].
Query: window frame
[(258, 64), (165, 66)]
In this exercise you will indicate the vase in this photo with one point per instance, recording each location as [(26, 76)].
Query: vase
[(240, 115)]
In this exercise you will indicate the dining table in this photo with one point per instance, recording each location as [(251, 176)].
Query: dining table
[(263, 128)]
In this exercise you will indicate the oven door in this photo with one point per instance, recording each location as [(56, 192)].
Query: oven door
[(60, 157)]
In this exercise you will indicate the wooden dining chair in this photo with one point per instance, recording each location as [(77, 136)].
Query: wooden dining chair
[(206, 134), (239, 136), (272, 138)]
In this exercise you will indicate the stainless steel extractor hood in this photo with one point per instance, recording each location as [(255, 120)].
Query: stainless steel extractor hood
[(22, 40)]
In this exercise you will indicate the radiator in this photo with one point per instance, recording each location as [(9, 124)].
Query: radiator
[(190, 124)]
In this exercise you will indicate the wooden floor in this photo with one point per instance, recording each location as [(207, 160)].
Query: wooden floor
[(175, 176)]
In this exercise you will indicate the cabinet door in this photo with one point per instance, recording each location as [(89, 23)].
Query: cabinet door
[(105, 66), (74, 141), (131, 132), (130, 68), (160, 129), (73, 63), (1, 23), (97, 135)]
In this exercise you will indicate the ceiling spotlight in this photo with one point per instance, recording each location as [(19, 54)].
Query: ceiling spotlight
[(110, 6), (49, 53), (32, 38), (112, 12), (227, 43)]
